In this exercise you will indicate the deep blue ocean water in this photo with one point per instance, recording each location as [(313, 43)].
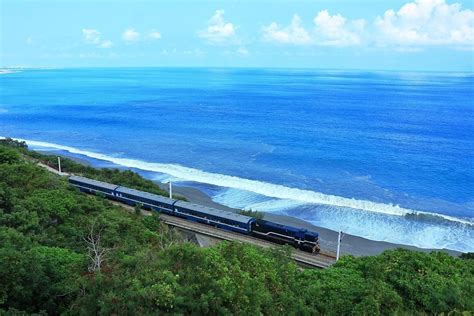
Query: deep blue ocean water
[(376, 154)]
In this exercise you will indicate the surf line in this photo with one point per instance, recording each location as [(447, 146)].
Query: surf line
[(259, 187)]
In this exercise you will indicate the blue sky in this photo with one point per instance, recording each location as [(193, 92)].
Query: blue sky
[(435, 35)]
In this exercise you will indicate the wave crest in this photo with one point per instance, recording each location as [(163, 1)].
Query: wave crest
[(259, 187)]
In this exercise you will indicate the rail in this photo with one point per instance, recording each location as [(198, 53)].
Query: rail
[(321, 260)]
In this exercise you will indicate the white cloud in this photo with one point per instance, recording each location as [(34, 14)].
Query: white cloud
[(218, 30), (239, 52), (242, 51), (130, 35), (328, 30), (335, 30), (91, 36), (292, 34), (106, 44), (29, 40), (154, 35), (414, 25), (426, 22), (195, 52)]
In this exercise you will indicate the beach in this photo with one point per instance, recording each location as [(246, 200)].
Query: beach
[(350, 245)]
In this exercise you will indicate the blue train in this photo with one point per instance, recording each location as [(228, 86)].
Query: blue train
[(300, 238)]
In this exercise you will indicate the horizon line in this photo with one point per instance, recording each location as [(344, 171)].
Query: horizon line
[(235, 67)]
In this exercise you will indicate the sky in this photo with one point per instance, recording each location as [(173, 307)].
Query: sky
[(426, 35)]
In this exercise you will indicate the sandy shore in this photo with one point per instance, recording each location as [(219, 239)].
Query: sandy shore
[(353, 245)]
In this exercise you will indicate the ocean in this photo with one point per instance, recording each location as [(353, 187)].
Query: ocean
[(383, 155)]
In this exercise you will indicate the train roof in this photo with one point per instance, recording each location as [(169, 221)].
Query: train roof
[(154, 197), (146, 195), (94, 182), (289, 228), (215, 212)]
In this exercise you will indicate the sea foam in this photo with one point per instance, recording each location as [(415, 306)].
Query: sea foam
[(259, 187)]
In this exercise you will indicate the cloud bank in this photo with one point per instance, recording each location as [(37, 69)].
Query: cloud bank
[(409, 28), (327, 30), (335, 30), (415, 24), (426, 22), (292, 34)]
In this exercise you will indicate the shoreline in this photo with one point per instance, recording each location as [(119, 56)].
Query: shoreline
[(350, 245)]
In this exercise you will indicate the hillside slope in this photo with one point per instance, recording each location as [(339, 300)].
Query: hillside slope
[(64, 252)]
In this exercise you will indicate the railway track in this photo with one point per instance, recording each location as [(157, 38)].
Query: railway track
[(322, 260)]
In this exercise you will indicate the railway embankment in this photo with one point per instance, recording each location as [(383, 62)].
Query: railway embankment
[(351, 245)]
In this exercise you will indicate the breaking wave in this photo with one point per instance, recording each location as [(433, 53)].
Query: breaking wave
[(259, 187)]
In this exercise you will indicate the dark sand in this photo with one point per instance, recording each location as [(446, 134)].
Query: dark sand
[(353, 245), (73, 158)]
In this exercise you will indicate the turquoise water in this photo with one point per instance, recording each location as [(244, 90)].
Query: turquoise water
[(383, 155)]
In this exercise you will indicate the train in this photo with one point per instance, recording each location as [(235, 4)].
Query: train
[(300, 238)]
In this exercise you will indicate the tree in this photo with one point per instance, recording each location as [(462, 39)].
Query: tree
[(8, 155), (53, 206), (6, 198), (13, 143), (96, 251), (138, 209), (152, 222), (467, 256), (254, 214), (34, 277)]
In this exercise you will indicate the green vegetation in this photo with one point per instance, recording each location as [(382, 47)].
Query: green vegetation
[(126, 178), (254, 214), (468, 255), (64, 252)]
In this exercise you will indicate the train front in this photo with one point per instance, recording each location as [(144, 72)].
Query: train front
[(312, 242)]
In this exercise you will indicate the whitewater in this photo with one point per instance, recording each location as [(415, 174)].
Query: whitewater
[(387, 156), (263, 188)]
